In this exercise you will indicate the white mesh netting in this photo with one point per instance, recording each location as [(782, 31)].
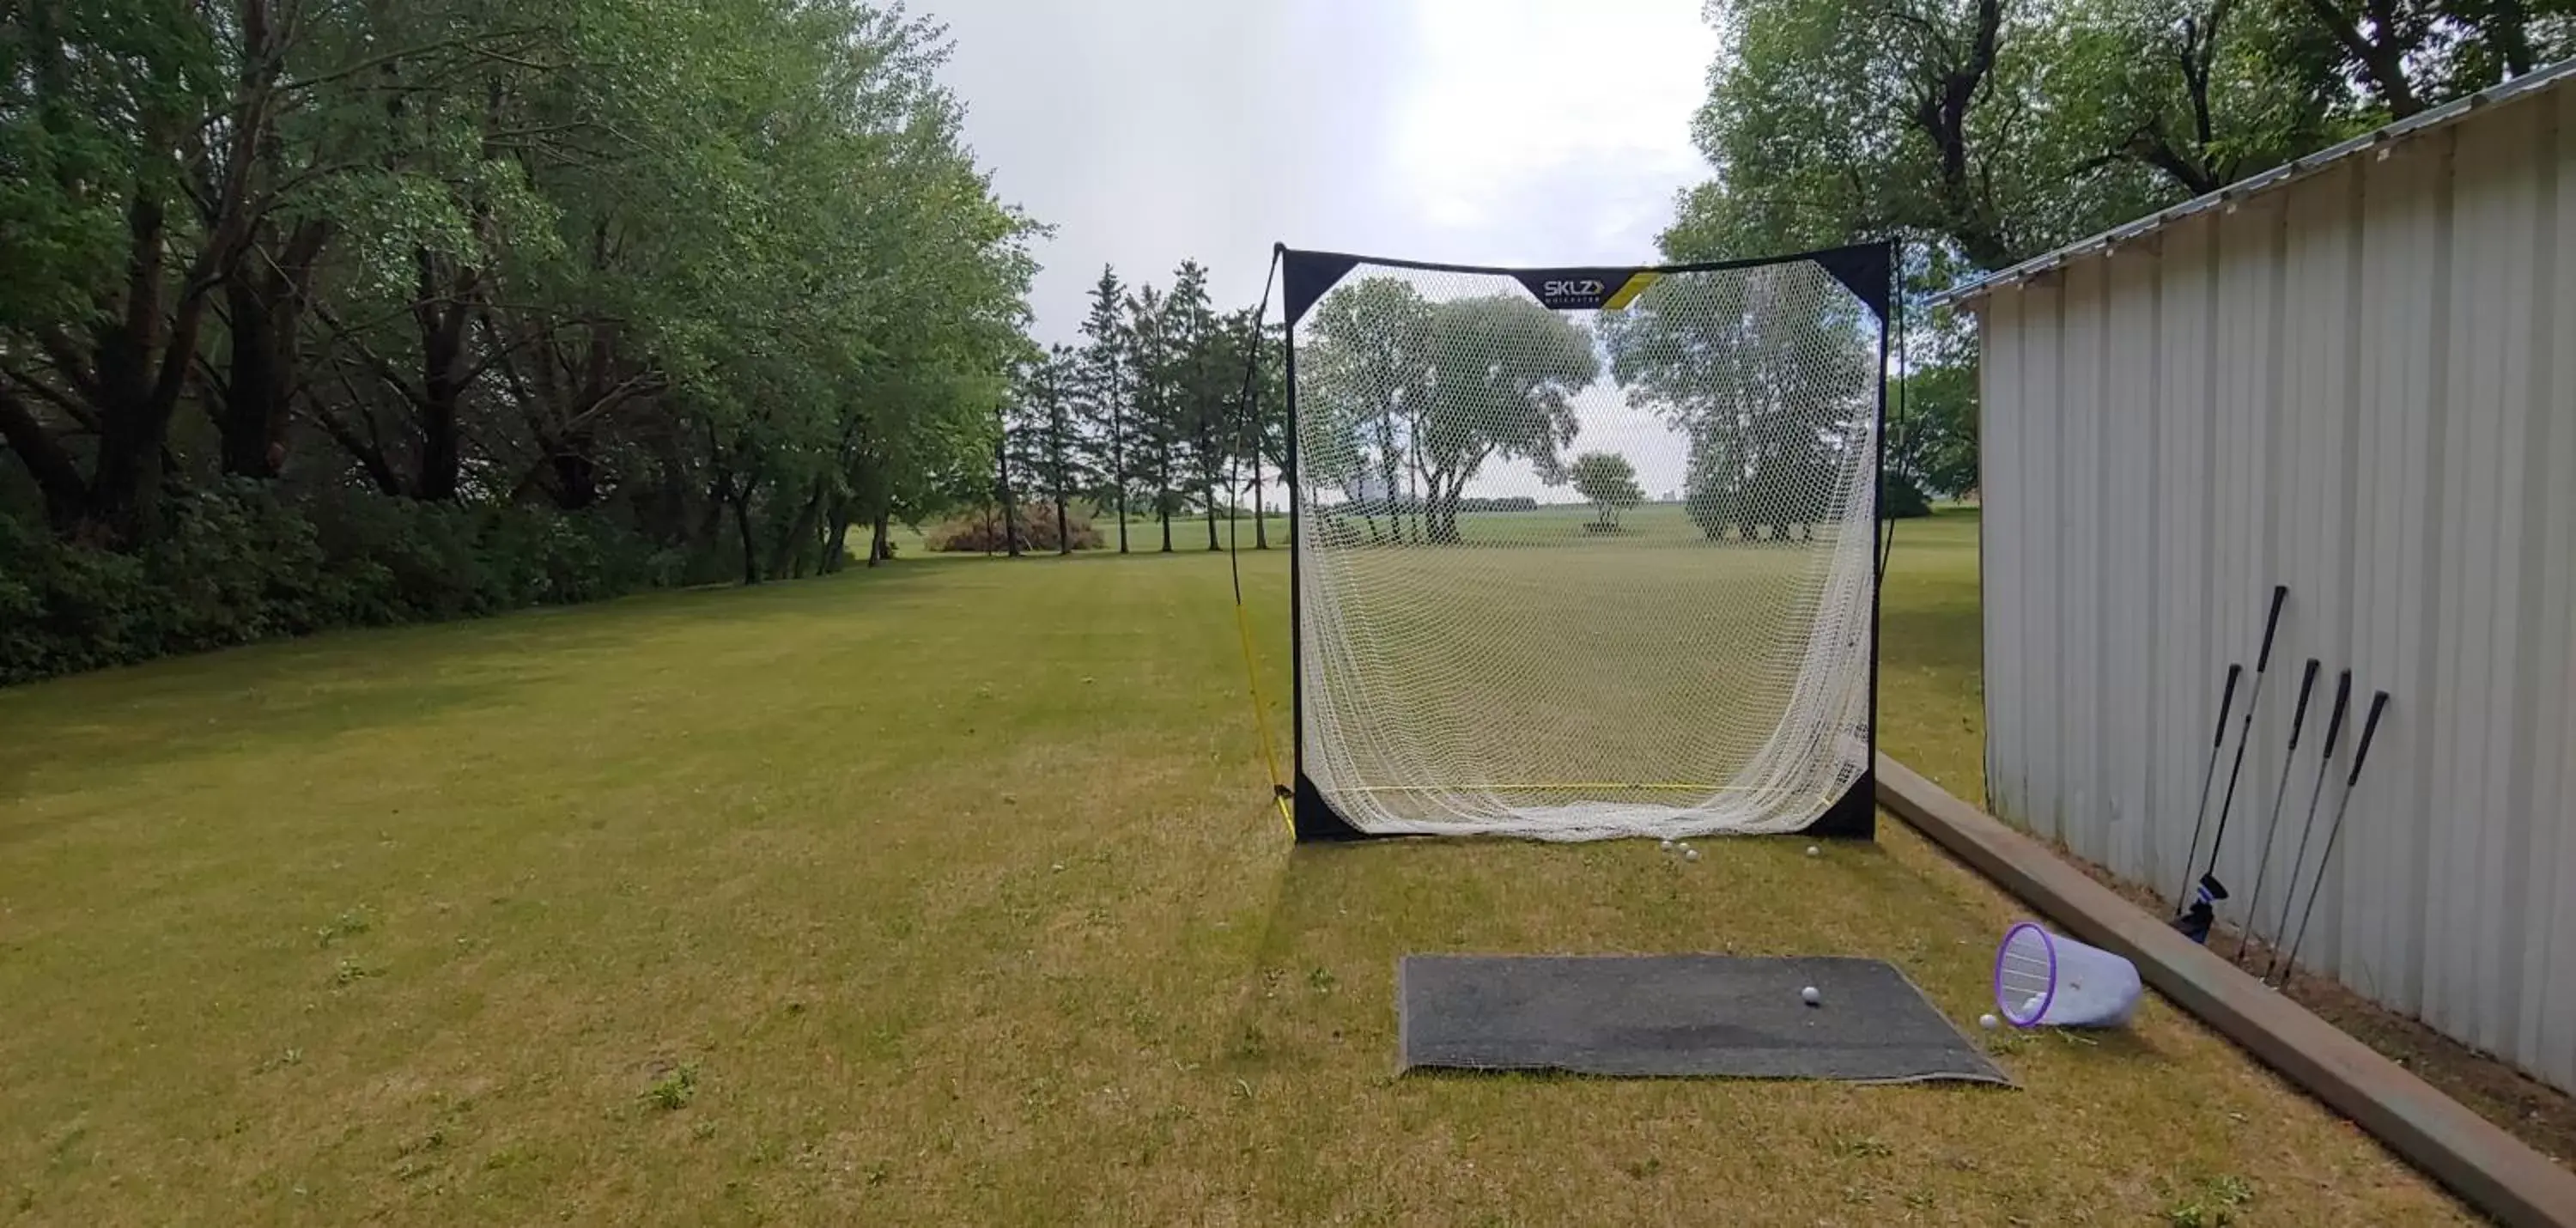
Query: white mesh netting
[(1575, 574)]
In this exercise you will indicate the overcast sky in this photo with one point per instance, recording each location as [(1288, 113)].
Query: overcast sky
[(1510, 132), (1474, 131)]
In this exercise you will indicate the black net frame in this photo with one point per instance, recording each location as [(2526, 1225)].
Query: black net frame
[(1865, 271)]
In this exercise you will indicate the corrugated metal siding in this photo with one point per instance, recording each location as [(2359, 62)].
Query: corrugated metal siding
[(2363, 386)]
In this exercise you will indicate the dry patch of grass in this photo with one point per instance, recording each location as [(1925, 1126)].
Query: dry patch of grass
[(950, 894)]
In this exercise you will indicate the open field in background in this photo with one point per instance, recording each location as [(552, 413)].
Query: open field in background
[(951, 894), (1552, 524), (1535, 666)]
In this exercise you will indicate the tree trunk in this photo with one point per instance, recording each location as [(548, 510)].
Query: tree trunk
[(1118, 461), (136, 406), (253, 417), (2382, 58), (712, 523), (57, 475), (880, 545), (266, 297), (576, 476), (836, 536), (1163, 495), (441, 457), (1010, 510), (441, 314), (1260, 515), (750, 548), (1063, 533), (789, 557)]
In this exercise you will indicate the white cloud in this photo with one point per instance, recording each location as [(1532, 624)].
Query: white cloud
[(1568, 120), (1480, 131)]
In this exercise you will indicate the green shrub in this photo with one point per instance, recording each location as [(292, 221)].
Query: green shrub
[(1904, 499), (980, 531), (239, 563)]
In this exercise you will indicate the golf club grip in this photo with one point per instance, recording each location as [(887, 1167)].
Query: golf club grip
[(2299, 718), (2226, 704), (2334, 722), (2369, 726), (2271, 623)]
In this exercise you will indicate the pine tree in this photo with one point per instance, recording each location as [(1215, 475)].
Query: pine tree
[(1268, 416), (1150, 372), (1106, 389), (1061, 460), (1002, 444), (1228, 440), (1196, 409)]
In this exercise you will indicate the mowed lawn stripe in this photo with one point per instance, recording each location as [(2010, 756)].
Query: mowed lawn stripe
[(951, 893)]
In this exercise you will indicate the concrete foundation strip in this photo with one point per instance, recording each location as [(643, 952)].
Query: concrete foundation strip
[(2490, 1169)]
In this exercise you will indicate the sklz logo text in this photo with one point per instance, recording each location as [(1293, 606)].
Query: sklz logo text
[(1580, 290)]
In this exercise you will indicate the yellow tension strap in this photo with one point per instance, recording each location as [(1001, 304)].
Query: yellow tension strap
[(1249, 441), (1261, 717)]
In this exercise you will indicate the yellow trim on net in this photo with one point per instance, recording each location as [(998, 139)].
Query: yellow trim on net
[(1637, 284)]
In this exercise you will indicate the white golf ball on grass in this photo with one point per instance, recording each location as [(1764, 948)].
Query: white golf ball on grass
[(1813, 851), (1810, 996), (1690, 854), (1668, 844), (1989, 1022)]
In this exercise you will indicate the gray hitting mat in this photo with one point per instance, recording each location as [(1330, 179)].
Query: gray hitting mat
[(1644, 1015)]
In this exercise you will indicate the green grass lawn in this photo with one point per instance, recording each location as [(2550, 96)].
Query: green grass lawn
[(951, 893)]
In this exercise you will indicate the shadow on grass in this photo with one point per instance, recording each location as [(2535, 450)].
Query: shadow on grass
[(318, 687), (2120, 1048), (1944, 638), (101, 749), (1279, 1021)]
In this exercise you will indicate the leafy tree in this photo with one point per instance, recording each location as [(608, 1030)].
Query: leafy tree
[(1266, 418), (1410, 398), (1768, 375), (1610, 482), (1504, 372), (1364, 374), (430, 251), (1986, 131), (1934, 446)]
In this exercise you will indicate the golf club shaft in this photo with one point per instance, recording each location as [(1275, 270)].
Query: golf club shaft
[(2245, 732), (2280, 794), (2308, 825), (2208, 777), (2334, 830)]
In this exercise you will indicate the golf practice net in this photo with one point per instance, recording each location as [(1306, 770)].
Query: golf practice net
[(1584, 553)]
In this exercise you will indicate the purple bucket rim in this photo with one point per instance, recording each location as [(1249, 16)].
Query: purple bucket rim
[(2048, 943)]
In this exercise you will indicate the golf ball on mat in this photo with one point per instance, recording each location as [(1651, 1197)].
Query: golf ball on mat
[(1989, 1022), (1810, 996), (1690, 854)]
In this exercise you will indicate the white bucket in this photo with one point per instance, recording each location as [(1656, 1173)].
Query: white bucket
[(2048, 980)]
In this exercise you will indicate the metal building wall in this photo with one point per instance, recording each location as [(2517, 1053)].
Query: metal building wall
[(2362, 385)]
